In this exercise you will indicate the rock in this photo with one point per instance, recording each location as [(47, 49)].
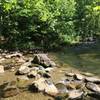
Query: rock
[(44, 74), (49, 69), (44, 85), (22, 81), (52, 63), (51, 89), (41, 68), (10, 90), (75, 94), (13, 55), (1, 69), (69, 74), (12, 69), (74, 85), (61, 88), (2, 59), (24, 69), (87, 74), (20, 60), (93, 87), (22, 77), (8, 66), (32, 74), (47, 75), (92, 79), (79, 77), (42, 59), (39, 85)]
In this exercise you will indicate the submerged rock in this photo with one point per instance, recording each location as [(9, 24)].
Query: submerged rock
[(22, 81), (10, 90), (61, 88)]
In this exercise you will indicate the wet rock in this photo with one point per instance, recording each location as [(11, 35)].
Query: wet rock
[(92, 79), (74, 85), (79, 77), (39, 85), (94, 96), (12, 69), (47, 75), (13, 55), (69, 74), (88, 74), (20, 60), (10, 90), (8, 66), (1, 69), (49, 69), (93, 87), (61, 88), (51, 89), (2, 59), (75, 94), (32, 74), (44, 74), (43, 60), (22, 82), (41, 68), (23, 77), (44, 85), (24, 69)]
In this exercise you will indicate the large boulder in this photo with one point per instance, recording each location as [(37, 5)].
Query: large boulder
[(43, 59), (1, 69)]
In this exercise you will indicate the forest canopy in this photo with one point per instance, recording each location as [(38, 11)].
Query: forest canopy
[(48, 23)]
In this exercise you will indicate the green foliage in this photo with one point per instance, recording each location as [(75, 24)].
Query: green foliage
[(48, 23)]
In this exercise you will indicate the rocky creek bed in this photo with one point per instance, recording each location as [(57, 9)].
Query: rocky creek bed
[(39, 78)]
